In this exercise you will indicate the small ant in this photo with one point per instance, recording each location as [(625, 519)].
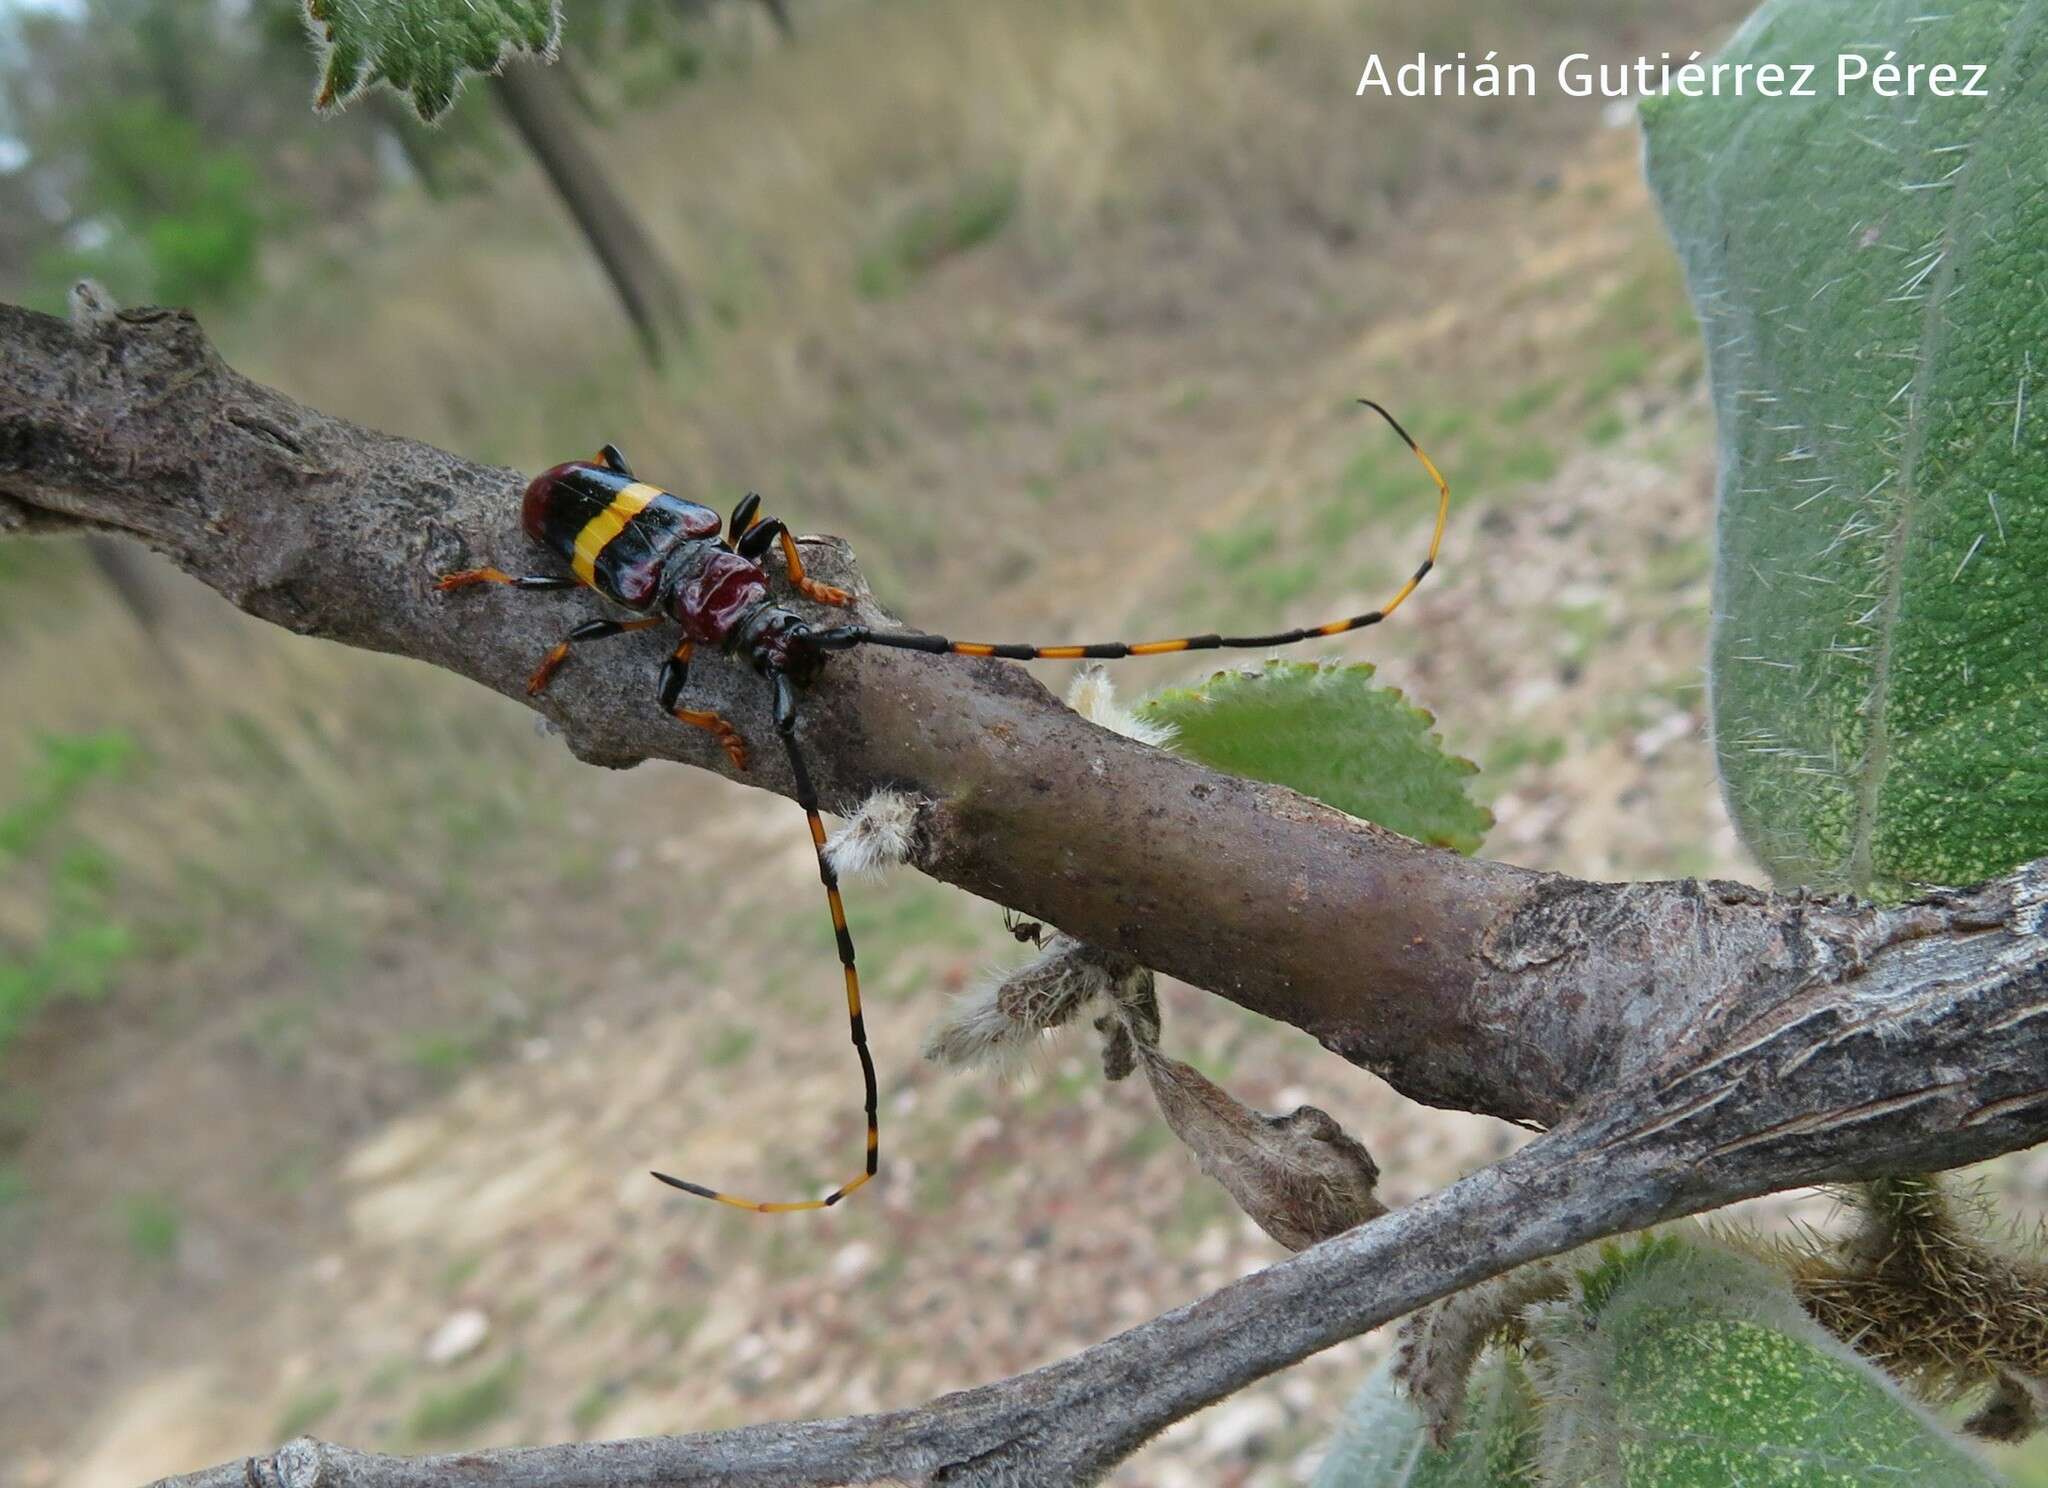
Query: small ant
[(1026, 932)]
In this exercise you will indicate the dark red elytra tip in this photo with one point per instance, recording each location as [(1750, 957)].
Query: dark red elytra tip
[(533, 512)]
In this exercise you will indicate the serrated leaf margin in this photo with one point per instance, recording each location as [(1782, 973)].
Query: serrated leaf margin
[(1153, 709), (350, 63)]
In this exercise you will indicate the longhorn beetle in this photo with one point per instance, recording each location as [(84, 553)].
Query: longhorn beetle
[(662, 557)]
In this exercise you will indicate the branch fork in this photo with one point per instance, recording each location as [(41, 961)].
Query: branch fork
[(1685, 1044)]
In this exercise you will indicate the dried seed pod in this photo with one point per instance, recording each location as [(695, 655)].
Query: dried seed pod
[(1119, 1050), (1134, 1000), (1298, 1176), (1003, 1018)]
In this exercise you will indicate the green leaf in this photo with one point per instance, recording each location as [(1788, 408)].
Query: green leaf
[(422, 48), (1871, 275), (1381, 1443), (1331, 733), (1683, 1366)]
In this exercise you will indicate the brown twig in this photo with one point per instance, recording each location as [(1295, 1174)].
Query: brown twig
[(1691, 1043)]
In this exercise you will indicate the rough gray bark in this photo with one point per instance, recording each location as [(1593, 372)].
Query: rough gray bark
[(1690, 1044)]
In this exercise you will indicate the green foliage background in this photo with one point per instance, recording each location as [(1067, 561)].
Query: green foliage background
[(82, 942), (181, 221)]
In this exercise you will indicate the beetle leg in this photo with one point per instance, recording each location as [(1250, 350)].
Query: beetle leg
[(807, 797), (675, 672), (727, 736), (755, 546), (744, 516), (593, 630)]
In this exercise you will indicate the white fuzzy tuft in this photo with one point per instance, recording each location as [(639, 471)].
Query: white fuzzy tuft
[(90, 304), (880, 835), (1000, 1021), (1093, 696), (975, 1033)]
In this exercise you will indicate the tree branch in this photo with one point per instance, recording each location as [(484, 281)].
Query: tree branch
[(1691, 1043)]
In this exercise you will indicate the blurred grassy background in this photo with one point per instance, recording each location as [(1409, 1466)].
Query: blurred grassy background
[(341, 1012)]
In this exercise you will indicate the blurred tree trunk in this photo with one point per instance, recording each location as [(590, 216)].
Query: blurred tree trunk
[(576, 90), (410, 136), (124, 566), (647, 287), (779, 11)]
